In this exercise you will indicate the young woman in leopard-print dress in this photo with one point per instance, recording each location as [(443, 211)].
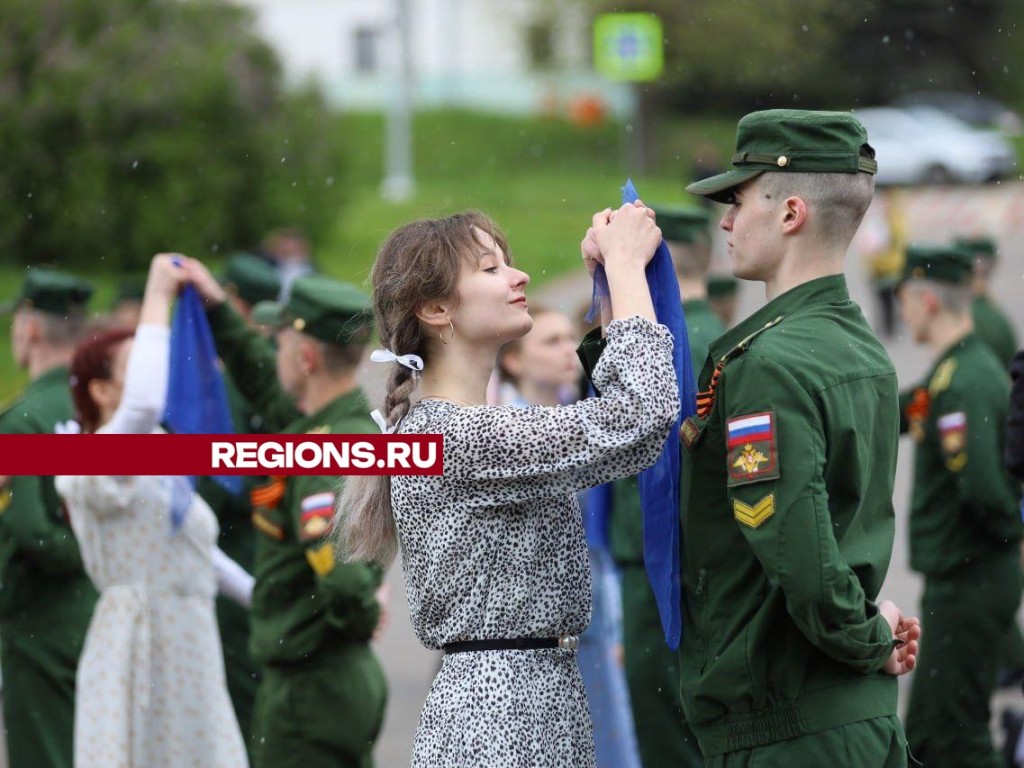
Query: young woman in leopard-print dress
[(494, 549)]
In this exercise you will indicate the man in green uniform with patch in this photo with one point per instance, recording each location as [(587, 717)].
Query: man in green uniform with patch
[(247, 280), (788, 470), (990, 323), (965, 525), (46, 599), (652, 669), (321, 700)]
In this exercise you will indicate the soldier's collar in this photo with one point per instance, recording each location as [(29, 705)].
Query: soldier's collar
[(57, 375), (823, 290)]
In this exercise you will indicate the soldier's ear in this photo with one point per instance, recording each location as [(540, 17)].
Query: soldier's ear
[(794, 215)]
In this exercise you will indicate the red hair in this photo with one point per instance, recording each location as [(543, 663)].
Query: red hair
[(93, 360)]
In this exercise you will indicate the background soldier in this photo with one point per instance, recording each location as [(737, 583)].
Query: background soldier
[(46, 600), (652, 669), (321, 700), (990, 323), (965, 524), (722, 291)]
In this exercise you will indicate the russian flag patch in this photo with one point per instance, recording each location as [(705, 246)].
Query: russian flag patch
[(751, 448), (316, 511)]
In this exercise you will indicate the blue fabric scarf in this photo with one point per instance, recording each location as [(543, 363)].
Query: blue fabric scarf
[(660, 484), (197, 402)]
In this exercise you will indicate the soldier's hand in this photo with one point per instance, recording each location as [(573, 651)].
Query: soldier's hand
[(906, 631), (207, 285), (591, 252)]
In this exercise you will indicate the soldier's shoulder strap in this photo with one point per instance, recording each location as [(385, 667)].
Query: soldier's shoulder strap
[(942, 377)]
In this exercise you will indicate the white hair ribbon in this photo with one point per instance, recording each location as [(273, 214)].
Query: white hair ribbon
[(378, 419), (69, 427), (412, 362)]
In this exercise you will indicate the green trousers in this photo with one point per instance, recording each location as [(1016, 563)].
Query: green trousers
[(965, 615), (876, 743), (38, 666), (652, 674), (326, 713)]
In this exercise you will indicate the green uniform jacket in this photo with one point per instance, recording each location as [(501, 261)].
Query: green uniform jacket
[(304, 602), (964, 504), (787, 525), (991, 324), (41, 571), (46, 599)]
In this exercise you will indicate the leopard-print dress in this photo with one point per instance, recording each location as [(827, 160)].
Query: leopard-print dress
[(494, 549)]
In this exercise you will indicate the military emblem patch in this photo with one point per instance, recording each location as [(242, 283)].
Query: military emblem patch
[(5, 499), (953, 432), (317, 511), (754, 516), (751, 448), (261, 523)]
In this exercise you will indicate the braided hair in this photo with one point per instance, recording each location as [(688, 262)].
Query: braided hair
[(418, 263)]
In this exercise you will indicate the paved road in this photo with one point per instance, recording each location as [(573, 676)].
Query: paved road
[(934, 215)]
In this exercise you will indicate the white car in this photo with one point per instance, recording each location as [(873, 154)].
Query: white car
[(922, 145)]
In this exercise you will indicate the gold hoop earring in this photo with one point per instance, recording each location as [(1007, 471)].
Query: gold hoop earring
[(450, 336)]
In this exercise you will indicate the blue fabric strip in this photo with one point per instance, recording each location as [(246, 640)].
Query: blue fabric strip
[(197, 401), (660, 484)]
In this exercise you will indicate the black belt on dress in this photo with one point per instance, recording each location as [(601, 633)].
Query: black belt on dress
[(568, 643)]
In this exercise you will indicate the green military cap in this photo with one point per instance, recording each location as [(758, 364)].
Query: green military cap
[(794, 141), (946, 263), (251, 278), (683, 224), (51, 291), (329, 310), (720, 286), (979, 247)]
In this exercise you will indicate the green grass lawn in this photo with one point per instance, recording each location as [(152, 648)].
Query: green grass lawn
[(540, 179)]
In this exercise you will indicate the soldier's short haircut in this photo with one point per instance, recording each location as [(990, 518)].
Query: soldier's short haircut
[(838, 201), (691, 260), (955, 299), (62, 330)]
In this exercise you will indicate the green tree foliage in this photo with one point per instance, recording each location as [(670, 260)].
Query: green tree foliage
[(752, 54), (132, 126)]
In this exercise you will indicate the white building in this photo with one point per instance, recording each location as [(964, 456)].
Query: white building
[(498, 55)]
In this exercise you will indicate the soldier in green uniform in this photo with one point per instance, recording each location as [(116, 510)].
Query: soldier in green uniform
[(652, 669), (990, 323), (247, 280), (788, 470), (788, 473), (965, 524), (321, 700), (46, 600), (722, 290)]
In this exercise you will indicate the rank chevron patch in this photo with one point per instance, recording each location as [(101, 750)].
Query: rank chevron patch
[(754, 516)]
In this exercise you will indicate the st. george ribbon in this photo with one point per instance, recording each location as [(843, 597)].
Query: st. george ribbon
[(660, 483)]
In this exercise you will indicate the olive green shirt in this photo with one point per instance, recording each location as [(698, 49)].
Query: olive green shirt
[(993, 327), (304, 601), (787, 525), (41, 574), (964, 506)]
